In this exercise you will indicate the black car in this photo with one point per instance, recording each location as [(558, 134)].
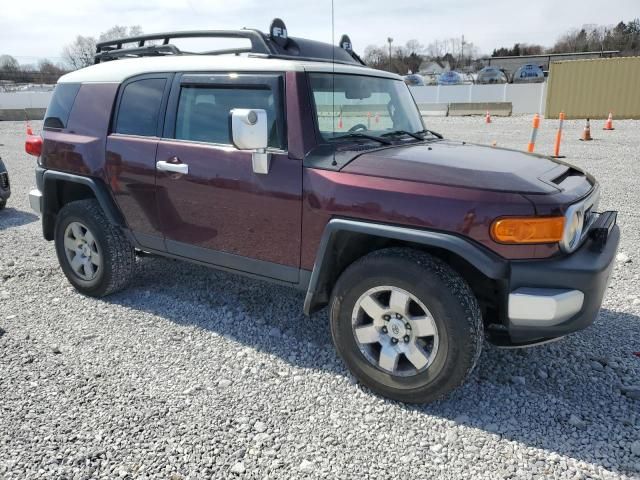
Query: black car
[(5, 190)]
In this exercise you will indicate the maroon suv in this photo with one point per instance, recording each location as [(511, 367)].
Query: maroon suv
[(289, 160)]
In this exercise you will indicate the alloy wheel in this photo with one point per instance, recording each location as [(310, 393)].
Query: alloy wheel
[(82, 251), (395, 331)]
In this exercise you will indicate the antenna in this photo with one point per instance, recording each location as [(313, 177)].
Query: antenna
[(333, 71)]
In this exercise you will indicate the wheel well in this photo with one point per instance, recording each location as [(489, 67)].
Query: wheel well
[(348, 247), (58, 194)]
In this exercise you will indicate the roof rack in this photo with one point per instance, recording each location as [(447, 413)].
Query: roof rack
[(275, 45)]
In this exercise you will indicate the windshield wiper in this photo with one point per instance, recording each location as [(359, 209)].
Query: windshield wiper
[(364, 135), (403, 132), (435, 134)]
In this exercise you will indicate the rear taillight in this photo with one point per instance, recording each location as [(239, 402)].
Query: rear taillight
[(33, 145)]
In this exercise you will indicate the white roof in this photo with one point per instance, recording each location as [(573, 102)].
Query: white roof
[(116, 71)]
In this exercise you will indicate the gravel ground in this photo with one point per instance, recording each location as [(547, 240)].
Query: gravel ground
[(192, 373)]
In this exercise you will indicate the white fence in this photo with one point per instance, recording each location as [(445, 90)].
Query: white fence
[(526, 98), (20, 100)]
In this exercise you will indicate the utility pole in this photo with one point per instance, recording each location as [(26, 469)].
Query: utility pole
[(390, 40), (462, 51)]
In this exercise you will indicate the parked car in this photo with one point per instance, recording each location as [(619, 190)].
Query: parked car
[(491, 75), (5, 187), (420, 247), (414, 80), (450, 78), (529, 73)]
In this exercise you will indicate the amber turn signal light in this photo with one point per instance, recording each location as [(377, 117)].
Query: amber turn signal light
[(528, 230)]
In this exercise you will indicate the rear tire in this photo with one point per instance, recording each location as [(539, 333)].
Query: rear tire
[(416, 352), (95, 256), (3, 203)]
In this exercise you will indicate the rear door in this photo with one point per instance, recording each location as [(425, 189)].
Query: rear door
[(131, 152), (218, 210)]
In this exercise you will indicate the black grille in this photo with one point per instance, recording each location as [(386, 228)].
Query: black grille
[(4, 180)]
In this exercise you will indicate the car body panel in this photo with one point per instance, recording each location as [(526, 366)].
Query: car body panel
[(222, 205), (458, 164), (130, 173), (300, 115), (80, 147), (464, 211)]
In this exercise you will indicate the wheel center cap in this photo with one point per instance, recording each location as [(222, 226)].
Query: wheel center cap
[(86, 251), (396, 328)]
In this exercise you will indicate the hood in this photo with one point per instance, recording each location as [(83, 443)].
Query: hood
[(465, 165)]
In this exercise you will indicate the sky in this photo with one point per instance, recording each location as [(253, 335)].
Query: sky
[(40, 28)]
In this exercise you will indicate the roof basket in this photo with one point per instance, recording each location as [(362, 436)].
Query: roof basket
[(275, 45)]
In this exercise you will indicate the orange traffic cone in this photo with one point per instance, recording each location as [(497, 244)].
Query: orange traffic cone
[(340, 125), (609, 123), (586, 133), (377, 118), (29, 130), (487, 118)]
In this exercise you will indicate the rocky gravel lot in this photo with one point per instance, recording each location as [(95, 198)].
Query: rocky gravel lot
[(192, 373)]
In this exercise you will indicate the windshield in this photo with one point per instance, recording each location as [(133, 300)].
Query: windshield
[(374, 106)]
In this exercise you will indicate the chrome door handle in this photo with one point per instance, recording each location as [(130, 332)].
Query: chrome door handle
[(182, 168)]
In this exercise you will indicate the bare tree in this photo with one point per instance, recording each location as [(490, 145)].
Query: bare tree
[(48, 72), (404, 59), (623, 36), (80, 53), (10, 69), (436, 49), (9, 64), (414, 46), (375, 56), (118, 31)]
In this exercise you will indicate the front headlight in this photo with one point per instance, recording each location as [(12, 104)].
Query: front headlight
[(573, 229)]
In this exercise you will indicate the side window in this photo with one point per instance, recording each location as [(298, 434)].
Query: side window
[(140, 107), (60, 105), (203, 112)]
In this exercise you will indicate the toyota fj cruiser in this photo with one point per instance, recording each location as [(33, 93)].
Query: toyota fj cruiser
[(289, 160)]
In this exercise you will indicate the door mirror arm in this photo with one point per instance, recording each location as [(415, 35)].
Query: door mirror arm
[(261, 161)]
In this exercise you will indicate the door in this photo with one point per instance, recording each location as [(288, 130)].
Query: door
[(131, 153), (212, 206)]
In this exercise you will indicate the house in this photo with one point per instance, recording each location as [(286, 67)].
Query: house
[(431, 67)]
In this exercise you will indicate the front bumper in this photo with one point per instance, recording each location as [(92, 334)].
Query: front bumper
[(551, 298)]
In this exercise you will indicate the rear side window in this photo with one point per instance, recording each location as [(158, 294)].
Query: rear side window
[(203, 112), (60, 105), (140, 107)]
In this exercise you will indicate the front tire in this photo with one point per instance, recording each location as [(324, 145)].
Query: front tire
[(95, 256), (406, 325)]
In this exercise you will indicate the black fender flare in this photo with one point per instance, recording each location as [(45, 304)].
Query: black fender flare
[(488, 263), (51, 201)]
